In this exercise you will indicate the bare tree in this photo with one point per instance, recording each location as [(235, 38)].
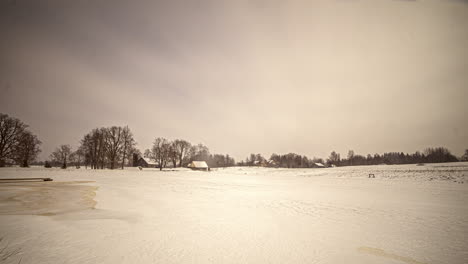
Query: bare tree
[(72, 159), (128, 145), (135, 156), (252, 159), (61, 155), (102, 147), (95, 148), (10, 132), (160, 151), (147, 153), (79, 155), (173, 156), (465, 156), (90, 145), (182, 149), (350, 157), (199, 152), (27, 149), (114, 143), (230, 161), (334, 158), (108, 147)]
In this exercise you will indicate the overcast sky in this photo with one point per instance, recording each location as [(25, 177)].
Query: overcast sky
[(241, 76)]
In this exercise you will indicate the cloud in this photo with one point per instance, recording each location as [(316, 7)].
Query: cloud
[(240, 76)]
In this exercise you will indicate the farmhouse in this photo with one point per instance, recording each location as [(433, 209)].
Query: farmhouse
[(318, 165), (198, 165), (272, 163), (146, 163), (262, 163)]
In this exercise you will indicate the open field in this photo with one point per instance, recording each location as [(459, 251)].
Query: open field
[(406, 214)]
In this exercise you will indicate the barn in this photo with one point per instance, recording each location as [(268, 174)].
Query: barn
[(318, 165), (272, 163), (198, 165), (262, 163), (146, 163)]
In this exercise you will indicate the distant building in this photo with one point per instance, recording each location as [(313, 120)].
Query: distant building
[(272, 163), (318, 165), (262, 163), (146, 163), (198, 165)]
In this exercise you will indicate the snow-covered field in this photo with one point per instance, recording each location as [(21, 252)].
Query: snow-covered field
[(406, 214)]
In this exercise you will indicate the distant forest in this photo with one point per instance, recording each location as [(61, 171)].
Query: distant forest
[(292, 160), (114, 147)]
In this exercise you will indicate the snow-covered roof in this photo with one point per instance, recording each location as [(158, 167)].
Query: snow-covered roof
[(149, 161), (198, 164), (319, 164)]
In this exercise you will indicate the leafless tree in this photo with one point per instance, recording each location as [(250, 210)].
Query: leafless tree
[(147, 153), (78, 156), (61, 155), (160, 151), (27, 149), (465, 156), (72, 159), (199, 152), (220, 160), (102, 147), (182, 149), (334, 158), (10, 131), (173, 156), (350, 157), (87, 146), (90, 145), (95, 148), (252, 159), (128, 145), (134, 155), (114, 143)]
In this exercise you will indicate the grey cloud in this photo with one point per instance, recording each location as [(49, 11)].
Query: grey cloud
[(241, 76)]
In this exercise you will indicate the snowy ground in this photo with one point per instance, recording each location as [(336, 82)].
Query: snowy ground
[(406, 214)]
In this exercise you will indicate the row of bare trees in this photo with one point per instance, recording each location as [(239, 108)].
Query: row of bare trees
[(18, 145), (181, 152), (164, 151), (106, 147), (62, 155), (109, 147)]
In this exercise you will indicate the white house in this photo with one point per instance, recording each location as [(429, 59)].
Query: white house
[(272, 163), (319, 165), (198, 165), (147, 163)]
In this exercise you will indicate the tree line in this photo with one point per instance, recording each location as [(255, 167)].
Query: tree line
[(429, 155), (105, 147), (290, 160), (293, 160), (115, 147), (180, 152)]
